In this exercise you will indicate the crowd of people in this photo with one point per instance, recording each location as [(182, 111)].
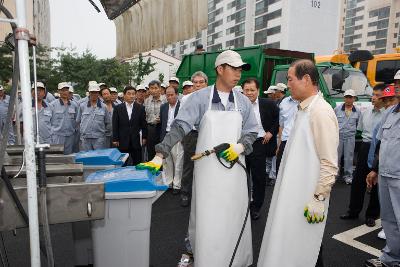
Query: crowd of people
[(158, 126)]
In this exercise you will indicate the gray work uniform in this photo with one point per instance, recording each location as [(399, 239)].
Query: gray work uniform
[(63, 124), (49, 97), (93, 124), (192, 111), (77, 134), (389, 184), (4, 102), (347, 138), (108, 134), (44, 118)]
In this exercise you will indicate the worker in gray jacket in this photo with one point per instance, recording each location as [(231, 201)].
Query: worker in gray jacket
[(93, 118), (63, 120), (348, 116), (45, 114), (4, 102)]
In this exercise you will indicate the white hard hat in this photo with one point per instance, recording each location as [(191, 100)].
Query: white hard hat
[(175, 79), (187, 83), (231, 58), (281, 87), (38, 85), (350, 92), (120, 94), (141, 87), (100, 84), (163, 85), (94, 88), (397, 75), (113, 89), (62, 85), (271, 89)]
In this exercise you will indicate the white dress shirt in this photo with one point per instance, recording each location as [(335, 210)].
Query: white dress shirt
[(129, 108), (171, 113), (256, 108)]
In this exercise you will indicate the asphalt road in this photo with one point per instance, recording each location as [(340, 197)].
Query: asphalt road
[(169, 225)]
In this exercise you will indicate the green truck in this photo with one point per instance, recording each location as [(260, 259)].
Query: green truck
[(270, 67)]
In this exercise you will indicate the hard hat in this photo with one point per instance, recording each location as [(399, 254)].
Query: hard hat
[(94, 88), (62, 85), (271, 89), (389, 91), (120, 94), (141, 87), (281, 87), (113, 90), (175, 79), (349, 92), (187, 83), (38, 85)]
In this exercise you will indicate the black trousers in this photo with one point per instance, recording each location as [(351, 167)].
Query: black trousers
[(279, 156), (320, 262), (256, 164), (189, 149), (359, 186), (153, 138)]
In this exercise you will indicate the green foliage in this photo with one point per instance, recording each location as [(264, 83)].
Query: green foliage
[(56, 65), (141, 69)]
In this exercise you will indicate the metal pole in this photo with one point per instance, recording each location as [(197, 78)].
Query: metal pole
[(23, 38), (36, 96)]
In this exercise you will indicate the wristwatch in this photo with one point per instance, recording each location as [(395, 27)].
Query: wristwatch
[(319, 197)]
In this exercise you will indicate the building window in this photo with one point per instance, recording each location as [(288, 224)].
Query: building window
[(211, 27), (215, 47), (212, 4), (237, 30), (238, 42), (396, 25), (380, 43), (381, 34), (211, 38), (213, 14), (350, 39), (262, 21), (273, 45), (261, 7), (273, 30), (239, 4), (397, 14), (386, 69), (238, 16), (260, 37)]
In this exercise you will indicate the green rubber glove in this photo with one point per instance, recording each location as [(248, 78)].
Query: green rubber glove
[(314, 211), (154, 165), (232, 153)]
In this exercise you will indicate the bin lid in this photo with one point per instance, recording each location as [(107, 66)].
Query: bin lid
[(127, 179), (109, 156)]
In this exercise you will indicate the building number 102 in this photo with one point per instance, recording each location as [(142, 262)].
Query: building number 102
[(315, 4)]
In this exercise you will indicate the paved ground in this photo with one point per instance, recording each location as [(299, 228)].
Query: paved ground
[(169, 224)]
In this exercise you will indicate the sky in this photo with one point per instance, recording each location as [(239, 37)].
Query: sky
[(76, 23)]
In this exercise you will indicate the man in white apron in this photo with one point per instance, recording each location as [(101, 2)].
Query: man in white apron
[(219, 198), (296, 219)]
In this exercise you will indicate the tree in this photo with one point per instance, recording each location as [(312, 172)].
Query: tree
[(141, 69), (6, 64)]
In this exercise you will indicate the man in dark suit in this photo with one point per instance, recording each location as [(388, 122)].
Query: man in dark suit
[(267, 115), (129, 118), (173, 164)]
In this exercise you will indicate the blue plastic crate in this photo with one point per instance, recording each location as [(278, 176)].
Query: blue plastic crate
[(127, 179), (109, 156)]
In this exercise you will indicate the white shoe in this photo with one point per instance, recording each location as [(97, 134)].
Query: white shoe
[(382, 235)]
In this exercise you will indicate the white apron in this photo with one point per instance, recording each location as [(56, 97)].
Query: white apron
[(219, 198), (289, 240)]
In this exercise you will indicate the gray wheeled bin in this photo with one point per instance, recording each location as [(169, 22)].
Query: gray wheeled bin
[(123, 238), (93, 160)]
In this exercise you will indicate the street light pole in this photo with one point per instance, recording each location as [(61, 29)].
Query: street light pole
[(22, 36)]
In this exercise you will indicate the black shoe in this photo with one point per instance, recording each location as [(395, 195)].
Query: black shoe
[(271, 182), (176, 191), (370, 222), (185, 200), (348, 216), (375, 263), (255, 215)]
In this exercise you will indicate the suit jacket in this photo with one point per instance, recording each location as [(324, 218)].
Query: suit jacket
[(125, 130), (269, 114), (164, 117)]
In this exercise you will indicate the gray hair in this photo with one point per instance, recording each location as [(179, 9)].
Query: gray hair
[(154, 82), (201, 74)]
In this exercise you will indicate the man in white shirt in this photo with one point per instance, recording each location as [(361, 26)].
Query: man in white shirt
[(173, 164)]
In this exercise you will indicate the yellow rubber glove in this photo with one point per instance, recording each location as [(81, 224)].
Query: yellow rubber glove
[(232, 153), (314, 211), (154, 165)]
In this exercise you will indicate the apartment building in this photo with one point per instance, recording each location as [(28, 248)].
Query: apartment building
[(310, 26), (370, 24)]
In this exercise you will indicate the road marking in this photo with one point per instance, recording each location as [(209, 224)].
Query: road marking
[(348, 237)]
